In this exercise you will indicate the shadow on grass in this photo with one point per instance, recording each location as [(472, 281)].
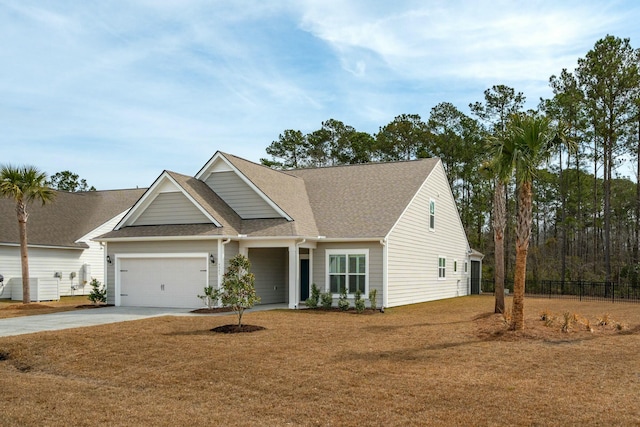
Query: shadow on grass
[(402, 355), (393, 328)]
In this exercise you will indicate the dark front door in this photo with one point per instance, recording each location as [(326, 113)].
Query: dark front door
[(475, 277), (304, 279)]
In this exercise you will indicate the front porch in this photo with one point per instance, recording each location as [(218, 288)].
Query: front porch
[(283, 270)]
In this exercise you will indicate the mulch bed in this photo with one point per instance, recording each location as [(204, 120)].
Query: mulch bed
[(83, 306), (212, 310), (235, 329), (367, 311)]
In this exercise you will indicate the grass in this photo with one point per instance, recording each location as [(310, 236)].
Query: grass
[(448, 362), (10, 308)]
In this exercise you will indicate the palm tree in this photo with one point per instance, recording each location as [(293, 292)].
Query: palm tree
[(530, 140), (498, 222), (24, 184)]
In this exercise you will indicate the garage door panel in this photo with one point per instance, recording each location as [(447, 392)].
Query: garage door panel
[(162, 282)]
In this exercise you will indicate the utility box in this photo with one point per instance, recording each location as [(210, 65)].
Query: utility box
[(85, 275), (41, 289)]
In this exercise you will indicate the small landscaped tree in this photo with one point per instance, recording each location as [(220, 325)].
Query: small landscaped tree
[(238, 290)]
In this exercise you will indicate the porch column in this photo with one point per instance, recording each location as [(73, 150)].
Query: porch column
[(294, 266)]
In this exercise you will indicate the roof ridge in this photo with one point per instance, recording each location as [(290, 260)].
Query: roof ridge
[(282, 171), (391, 162)]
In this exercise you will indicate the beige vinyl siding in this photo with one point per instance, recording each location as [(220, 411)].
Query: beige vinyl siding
[(269, 265), (230, 250), (239, 196), (375, 264), (413, 249), (158, 247), (171, 208)]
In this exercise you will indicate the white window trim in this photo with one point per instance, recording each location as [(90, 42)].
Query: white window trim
[(445, 267), (466, 267), (434, 215), (455, 266), (327, 281)]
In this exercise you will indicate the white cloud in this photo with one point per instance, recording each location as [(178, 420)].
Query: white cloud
[(466, 39)]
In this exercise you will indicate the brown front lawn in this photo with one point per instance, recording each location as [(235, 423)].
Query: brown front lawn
[(442, 363), (9, 308)]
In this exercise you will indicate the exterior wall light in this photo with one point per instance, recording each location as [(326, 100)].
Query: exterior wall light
[(212, 259), (108, 259)]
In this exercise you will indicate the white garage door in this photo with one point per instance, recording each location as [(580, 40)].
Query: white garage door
[(162, 282)]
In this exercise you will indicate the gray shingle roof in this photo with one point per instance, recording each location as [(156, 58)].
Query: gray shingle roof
[(355, 201), (69, 217), (210, 201), (363, 200), (286, 190)]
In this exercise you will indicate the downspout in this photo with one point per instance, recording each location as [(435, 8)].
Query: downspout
[(221, 257), (385, 274)]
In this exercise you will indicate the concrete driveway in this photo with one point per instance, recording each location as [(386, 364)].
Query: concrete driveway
[(98, 316)]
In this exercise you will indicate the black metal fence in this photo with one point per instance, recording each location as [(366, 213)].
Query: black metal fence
[(579, 290)]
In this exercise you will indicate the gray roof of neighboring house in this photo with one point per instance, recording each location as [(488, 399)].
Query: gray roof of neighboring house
[(65, 220), (354, 201)]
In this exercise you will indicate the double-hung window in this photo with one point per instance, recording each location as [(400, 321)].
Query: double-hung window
[(442, 267), (432, 214), (347, 269)]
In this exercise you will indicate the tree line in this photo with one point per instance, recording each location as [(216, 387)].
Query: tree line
[(585, 221)]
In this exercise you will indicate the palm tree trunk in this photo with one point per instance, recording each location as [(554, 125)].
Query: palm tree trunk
[(499, 219), (24, 255), (523, 233)]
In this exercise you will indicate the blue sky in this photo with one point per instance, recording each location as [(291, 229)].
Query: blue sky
[(118, 91)]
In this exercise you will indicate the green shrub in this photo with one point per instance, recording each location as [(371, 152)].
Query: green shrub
[(343, 302), (98, 293), (312, 301), (372, 298), (210, 296), (359, 302), (326, 299)]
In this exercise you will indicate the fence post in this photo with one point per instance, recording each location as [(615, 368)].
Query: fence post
[(581, 289)]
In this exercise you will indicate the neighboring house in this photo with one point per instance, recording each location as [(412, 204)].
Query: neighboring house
[(393, 227), (62, 255)]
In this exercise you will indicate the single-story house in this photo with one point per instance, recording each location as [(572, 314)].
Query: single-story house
[(63, 258), (393, 227)]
